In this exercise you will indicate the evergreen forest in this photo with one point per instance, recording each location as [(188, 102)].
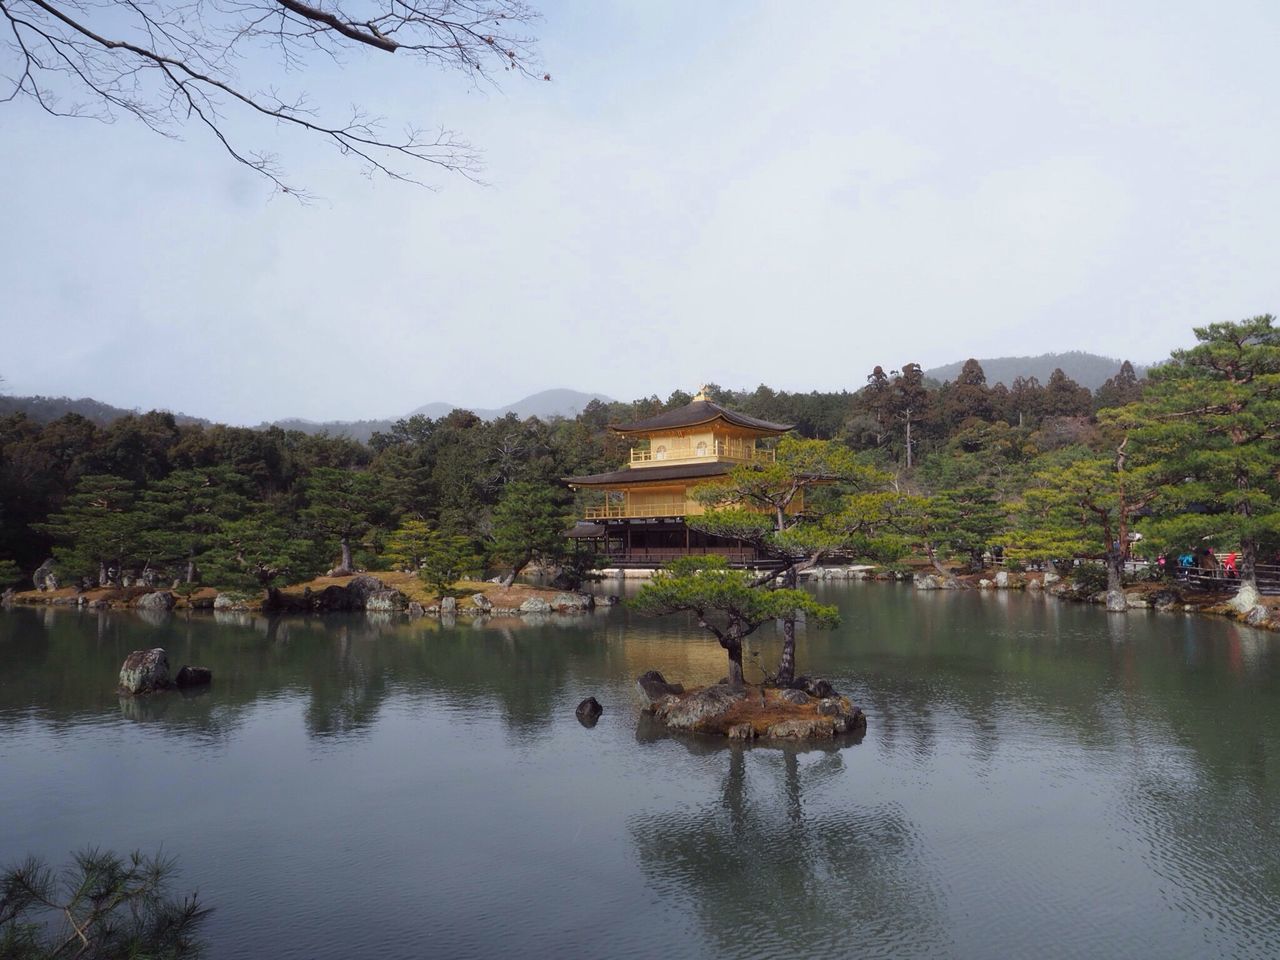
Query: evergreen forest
[(1185, 458)]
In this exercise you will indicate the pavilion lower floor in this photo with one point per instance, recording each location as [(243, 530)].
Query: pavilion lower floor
[(639, 542)]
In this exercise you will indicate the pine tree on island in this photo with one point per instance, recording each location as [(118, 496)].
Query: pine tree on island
[(728, 603)]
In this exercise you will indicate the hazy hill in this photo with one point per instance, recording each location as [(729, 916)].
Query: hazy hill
[(544, 405), (547, 404), (46, 409), (1087, 369)]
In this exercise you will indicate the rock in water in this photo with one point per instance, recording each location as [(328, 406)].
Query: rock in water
[(482, 603), (448, 606), (589, 711), (160, 600), (535, 605), (653, 687), (145, 671), (194, 677)]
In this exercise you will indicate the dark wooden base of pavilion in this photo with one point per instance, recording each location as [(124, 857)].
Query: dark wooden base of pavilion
[(653, 541)]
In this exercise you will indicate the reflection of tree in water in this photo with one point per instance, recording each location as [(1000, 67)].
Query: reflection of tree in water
[(783, 864), (352, 665), (346, 689), (62, 665)]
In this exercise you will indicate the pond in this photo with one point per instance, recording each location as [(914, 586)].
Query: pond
[(1037, 778)]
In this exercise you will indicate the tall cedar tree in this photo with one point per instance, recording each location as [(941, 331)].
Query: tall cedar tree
[(727, 603), (1209, 422)]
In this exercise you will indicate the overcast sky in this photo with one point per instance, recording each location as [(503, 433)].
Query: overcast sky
[(740, 193)]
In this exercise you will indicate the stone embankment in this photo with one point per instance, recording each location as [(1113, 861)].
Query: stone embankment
[(808, 710), (1156, 595), (394, 594)]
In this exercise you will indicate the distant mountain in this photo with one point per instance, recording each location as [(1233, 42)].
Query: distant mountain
[(544, 405), (47, 409), (1087, 369), (361, 430)]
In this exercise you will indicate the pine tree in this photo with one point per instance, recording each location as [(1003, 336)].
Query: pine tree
[(341, 506), (257, 551), (183, 513), (757, 503), (102, 907), (10, 573), (965, 521), (1209, 423), (96, 532), (528, 524), (1085, 506), (448, 560), (728, 603), (408, 545)]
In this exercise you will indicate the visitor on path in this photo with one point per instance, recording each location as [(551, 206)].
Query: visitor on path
[(1185, 562), (1229, 565)]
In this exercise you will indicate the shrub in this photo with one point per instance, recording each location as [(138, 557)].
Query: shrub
[(1089, 578)]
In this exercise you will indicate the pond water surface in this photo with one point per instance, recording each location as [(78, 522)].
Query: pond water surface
[(1038, 778)]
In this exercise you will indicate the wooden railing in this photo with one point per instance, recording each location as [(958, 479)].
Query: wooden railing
[(648, 508), (664, 554), (727, 449)]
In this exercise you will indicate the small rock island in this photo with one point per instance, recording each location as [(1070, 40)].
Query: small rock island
[(809, 710)]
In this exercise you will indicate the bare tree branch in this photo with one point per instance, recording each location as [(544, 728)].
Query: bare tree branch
[(168, 64)]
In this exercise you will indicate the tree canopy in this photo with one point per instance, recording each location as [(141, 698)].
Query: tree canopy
[(727, 603)]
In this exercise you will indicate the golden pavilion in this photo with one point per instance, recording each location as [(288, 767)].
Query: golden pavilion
[(640, 519)]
